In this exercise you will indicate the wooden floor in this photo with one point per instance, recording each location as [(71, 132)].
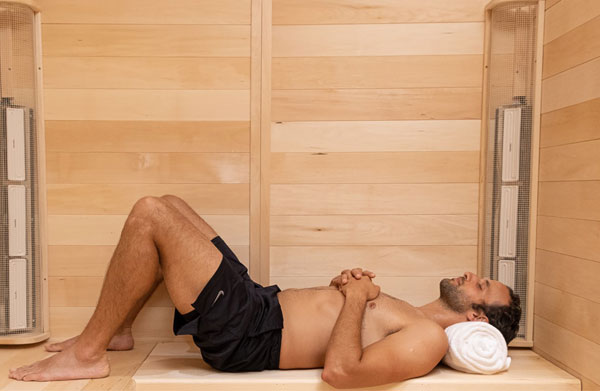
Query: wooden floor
[(153, 365)]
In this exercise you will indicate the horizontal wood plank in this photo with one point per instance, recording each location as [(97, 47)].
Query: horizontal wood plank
[(374, 230), (568, 15), (146, 12), (375, 167), (147, 105), (374, 199), (375, 136), (569, 348), (376, 104), (579, 238), (571, 162), (147, 73), (573, 275), (375, 11), (576, 314), (92, 261), (91, 199), (578, 200), (106, 230), (550, 3), (385, 261), (377, 72), (125, 40), (147, 136), (132, 168), (377, 39), (581, 119), (573, 86), (573, 48)]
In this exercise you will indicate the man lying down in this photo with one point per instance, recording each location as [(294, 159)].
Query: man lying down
[(360, 337)]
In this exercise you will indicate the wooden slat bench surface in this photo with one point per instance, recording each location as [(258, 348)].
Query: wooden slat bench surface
[(178, 366)]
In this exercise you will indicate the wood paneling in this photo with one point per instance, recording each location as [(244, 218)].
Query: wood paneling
[(575, 47), (378, 11), (147, 167), (377, 39), (377, 72), (571, 162), (375, 136), (550, 3), (376, 104), (146, 12), (386, 261), (124, 40), (106, 229), (374, 230), (147, 73), (142, 105), (375, 167), (581, 119), (577, 200), (580, 238), (567, 15), (322, 199), (573, 86)]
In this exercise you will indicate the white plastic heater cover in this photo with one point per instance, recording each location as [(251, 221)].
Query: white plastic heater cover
[(508, 221), (511, 144), (15, 144)]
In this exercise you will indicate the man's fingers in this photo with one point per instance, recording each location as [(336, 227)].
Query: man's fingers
[(369, 273), (357, 273)]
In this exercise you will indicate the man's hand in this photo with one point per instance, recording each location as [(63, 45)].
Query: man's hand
[(364, 286), (348, 274)]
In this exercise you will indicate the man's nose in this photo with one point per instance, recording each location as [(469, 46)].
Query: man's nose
[(470, 276)]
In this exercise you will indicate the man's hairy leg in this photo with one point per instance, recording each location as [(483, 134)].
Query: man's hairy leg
[(154, 227)]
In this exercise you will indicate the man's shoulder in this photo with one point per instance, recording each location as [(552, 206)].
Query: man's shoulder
[(427, 334)]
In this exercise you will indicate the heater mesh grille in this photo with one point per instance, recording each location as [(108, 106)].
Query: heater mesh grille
[(511, 85), (19, 292)]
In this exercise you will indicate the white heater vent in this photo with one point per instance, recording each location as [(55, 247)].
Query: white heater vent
[(508, 221), (511, 144), (17, 293), (15, 143), (17, 216)]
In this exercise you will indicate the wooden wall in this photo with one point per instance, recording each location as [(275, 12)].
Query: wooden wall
[(141, 98), (375, 141), (567, 289)]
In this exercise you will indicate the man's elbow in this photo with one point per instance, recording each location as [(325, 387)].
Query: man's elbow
[(337, 378)]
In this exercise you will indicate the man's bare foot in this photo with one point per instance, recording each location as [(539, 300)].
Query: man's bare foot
[(65, 365), (121, 341)]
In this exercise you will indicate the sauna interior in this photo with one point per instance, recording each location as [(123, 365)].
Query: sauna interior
[(313, 135)]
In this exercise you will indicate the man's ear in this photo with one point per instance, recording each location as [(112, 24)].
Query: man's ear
[(477, 315)]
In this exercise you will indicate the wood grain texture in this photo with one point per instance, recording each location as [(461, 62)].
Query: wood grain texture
[(147, 73), (377, 72), (571, 162), (146, 12), (124, 40), (576, 314), (573, 86), (374, 230), (385, 261), (567, 15), (550, 3), (147, 105), (374, 199), (90, 199), (375, 136), (106, 229), (147, 168), (577, 200), (579, 238), (147, 136), (571, 349), (573, 275), (379, 11), (376, 104), (377, 39), (375, 167), (573, 48), (581, 120)]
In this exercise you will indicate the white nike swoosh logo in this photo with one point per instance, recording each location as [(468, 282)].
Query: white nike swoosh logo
[(221, 293)]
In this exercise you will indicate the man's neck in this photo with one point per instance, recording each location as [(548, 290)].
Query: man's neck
[(441, 314)]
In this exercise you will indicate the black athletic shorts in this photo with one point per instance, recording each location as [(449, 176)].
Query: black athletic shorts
[(236, 322)]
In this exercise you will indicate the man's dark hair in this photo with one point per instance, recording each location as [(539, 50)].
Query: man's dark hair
[(504, 317)]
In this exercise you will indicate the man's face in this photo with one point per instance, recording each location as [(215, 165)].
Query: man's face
[(460, 293)]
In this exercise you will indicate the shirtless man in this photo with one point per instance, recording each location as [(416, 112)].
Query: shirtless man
[(359, 337)]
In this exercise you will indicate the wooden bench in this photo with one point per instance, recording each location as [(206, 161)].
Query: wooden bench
[(179, 366)]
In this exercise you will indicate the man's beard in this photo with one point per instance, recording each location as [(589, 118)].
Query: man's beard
[(452, 297)]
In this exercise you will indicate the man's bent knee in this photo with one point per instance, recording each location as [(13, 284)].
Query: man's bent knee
[(147, 206)]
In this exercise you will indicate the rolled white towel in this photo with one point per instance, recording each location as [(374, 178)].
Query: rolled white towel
[(476, 347)]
